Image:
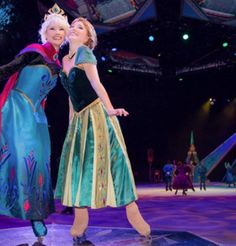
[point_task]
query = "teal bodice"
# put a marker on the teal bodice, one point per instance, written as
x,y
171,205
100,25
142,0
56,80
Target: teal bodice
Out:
x,y
77,84
35,82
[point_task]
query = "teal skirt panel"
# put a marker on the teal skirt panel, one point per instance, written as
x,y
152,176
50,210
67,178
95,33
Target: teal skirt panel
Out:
x,y
123,181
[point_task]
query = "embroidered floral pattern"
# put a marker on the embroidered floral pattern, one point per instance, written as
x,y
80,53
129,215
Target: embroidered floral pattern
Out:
x,y
36,193
40,180
102,165
8,186
47,86
26,205
9,190
30,164
4,154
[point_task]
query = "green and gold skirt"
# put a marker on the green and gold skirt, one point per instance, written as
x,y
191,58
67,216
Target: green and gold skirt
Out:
x,y
95,170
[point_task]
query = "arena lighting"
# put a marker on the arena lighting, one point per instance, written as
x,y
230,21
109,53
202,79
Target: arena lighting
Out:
x,y
114,49
225,44
211,65
185,36
7,15
103,58
212,101
139,69
151,38
109,70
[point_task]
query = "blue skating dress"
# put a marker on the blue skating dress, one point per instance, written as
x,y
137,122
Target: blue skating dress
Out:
x,y
25,182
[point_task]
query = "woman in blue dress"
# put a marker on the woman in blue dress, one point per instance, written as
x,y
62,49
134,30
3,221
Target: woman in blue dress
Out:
x,y
25,182
94,170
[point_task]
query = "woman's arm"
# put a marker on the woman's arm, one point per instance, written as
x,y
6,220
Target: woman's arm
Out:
x,y
17,64
92,75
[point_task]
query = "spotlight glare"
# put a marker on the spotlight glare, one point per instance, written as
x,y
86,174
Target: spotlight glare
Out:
x,y
151,38
103,58
114,49
109,71
185,36
212,101
225,44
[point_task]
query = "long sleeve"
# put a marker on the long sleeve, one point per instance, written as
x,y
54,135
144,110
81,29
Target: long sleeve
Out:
x,y
17,64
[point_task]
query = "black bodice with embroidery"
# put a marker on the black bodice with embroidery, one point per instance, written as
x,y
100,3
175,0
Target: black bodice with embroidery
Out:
x,y
79,88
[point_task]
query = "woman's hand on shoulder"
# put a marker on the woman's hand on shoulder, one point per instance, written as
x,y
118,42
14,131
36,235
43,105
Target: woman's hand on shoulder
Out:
x,y
117,112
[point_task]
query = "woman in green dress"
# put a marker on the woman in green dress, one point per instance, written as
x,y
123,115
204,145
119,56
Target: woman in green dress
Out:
x,y
95,170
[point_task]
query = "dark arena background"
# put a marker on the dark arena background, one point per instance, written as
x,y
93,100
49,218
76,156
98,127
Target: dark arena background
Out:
x,y
172,65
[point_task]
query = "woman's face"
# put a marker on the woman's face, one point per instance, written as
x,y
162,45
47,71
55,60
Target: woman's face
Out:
x,y
78,33
55,34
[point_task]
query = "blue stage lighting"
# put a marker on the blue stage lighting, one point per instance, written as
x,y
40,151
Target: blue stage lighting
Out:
x,y
6,15
151,38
